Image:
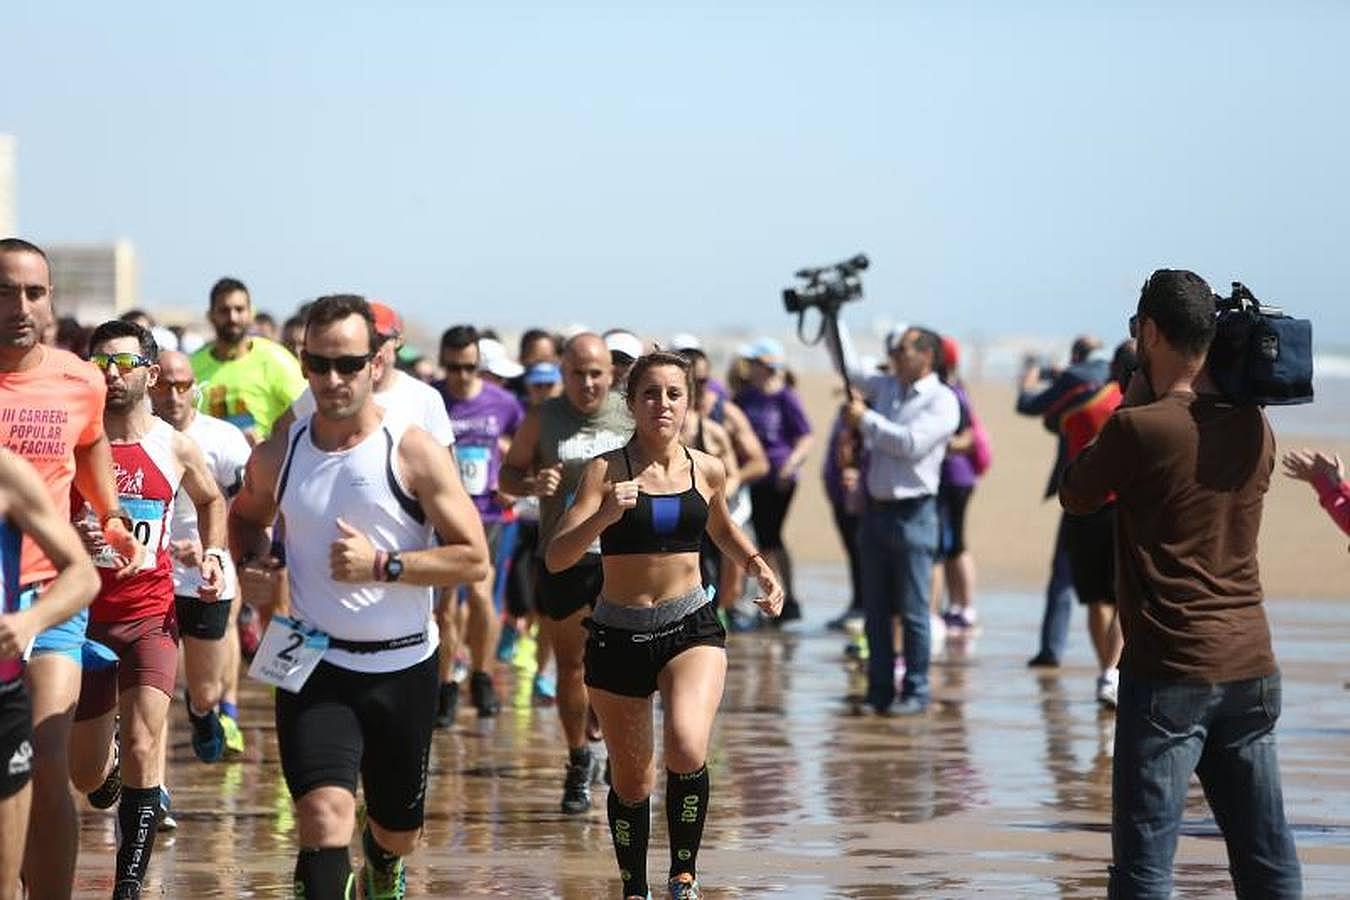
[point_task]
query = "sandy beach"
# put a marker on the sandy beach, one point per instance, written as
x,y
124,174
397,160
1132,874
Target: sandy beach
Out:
x,y
1010,528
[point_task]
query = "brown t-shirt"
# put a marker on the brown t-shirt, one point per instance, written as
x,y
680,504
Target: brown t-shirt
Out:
x,y
1190,474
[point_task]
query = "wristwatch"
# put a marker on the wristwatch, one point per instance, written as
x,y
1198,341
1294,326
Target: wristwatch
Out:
x,y
220,553
393,566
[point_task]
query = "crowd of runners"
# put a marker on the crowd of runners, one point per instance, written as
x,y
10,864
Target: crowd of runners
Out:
x,y
370,531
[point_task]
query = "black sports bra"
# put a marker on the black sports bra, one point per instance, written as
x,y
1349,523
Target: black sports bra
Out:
x,y
660,523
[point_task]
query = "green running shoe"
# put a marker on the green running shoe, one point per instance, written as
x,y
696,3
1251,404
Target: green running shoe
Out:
x,y
234,736
391,884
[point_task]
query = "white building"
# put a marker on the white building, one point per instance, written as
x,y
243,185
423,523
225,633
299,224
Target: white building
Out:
x,y
9,216
93,281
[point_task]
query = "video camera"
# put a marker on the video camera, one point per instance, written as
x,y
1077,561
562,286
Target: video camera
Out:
x,y
827,287
1259,354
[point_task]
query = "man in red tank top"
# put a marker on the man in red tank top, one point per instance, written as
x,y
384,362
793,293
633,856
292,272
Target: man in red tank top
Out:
x,y
134,616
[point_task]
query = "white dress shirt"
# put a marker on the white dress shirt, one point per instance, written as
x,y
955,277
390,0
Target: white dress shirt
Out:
x,y
905,434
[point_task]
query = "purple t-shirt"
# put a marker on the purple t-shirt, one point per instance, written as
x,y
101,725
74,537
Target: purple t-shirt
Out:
x,y
778,420
957,468
478,423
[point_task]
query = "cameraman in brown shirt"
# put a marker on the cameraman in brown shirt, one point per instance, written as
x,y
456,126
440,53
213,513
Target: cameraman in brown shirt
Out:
x,y
1199,689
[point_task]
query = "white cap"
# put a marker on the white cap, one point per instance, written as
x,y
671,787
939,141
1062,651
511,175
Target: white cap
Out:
x,y
504,367
685,341
164,338
625,343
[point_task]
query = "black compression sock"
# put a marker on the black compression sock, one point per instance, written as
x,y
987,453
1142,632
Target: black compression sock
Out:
x,y
579,756
324,873
686,809
630,825
376,855
138,817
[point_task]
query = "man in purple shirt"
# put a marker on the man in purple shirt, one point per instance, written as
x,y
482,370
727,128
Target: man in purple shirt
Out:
x,y
779,420
483,416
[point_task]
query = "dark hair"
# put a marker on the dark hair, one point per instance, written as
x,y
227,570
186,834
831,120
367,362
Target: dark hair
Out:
x,y
538,334
71,335
927,340
264,318
1181,304
693,354
224,287
296,321
119,328
1124,362
656,358
135,315
457,337
336,307
19,245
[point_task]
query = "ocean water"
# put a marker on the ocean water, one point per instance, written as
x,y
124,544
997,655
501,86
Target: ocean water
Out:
x,y
1328,416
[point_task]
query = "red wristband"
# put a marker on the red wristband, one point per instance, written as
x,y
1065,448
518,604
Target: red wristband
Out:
x,y
377,568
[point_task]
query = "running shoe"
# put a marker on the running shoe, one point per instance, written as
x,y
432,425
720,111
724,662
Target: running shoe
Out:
x,y
447,704
1108,688
527,653
847,620
166,820
484,695
545,689
1043,660
389,884
576,798
208,735
110,791
234,736
506,644
684,887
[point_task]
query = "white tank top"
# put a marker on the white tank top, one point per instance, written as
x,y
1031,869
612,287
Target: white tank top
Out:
x,y
362,486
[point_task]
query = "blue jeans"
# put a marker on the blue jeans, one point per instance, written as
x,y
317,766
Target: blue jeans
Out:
x,y
1225,733
1059,599
897,542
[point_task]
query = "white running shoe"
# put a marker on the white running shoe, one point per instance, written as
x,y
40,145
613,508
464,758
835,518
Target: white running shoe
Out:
x,y
1108,688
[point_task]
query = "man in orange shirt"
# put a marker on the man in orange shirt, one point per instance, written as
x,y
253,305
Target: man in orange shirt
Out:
x,y
51,414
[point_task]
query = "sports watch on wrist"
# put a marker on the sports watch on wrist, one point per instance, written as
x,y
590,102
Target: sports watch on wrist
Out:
x,y
393,566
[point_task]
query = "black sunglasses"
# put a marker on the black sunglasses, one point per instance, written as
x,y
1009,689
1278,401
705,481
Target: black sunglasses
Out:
x,y
345,365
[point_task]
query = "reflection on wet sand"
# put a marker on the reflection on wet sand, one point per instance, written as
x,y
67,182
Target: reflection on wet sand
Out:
x,y
1003,789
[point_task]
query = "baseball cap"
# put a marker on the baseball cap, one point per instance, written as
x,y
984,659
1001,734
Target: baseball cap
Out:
x,y
504,367
768,351
624,343
543,373
685,341
387,322
951,352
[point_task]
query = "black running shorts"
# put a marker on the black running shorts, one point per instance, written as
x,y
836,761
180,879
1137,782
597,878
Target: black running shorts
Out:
x,y
1091,544
202,619
16,738
627,662
377,725
559,595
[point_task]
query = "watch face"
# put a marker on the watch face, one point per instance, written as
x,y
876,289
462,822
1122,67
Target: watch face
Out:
x,y
393,568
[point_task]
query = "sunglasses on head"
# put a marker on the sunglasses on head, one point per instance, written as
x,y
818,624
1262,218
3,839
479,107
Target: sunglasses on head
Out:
x,y
164,385
345,365
124,361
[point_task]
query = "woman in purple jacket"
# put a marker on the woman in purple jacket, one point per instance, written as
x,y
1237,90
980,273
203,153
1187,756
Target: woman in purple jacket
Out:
x,y
779,420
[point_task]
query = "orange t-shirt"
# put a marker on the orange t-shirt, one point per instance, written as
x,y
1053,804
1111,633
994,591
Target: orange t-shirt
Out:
x,y
45,413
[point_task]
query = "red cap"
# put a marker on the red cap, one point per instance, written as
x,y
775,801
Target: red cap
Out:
x,y
951,352
387,322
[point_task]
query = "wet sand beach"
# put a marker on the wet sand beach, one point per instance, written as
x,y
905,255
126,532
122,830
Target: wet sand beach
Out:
x,y
1001,790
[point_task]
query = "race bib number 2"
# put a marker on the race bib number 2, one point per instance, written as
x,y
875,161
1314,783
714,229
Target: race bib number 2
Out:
x,y
288,654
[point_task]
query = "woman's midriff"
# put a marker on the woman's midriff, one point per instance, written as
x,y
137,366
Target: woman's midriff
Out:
x,y
646,579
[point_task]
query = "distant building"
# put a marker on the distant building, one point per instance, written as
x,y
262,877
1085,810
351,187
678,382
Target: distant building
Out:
x,y
9,215
93,282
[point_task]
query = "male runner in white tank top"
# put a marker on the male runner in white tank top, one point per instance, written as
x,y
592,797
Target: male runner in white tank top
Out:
x,y
365,495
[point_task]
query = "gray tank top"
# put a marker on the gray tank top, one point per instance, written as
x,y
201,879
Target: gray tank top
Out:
x,y
567,436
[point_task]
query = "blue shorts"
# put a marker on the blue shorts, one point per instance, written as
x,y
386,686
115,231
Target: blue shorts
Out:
x,y
68,638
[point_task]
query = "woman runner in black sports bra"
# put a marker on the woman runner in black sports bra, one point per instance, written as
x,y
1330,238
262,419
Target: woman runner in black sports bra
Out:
x,y
654,628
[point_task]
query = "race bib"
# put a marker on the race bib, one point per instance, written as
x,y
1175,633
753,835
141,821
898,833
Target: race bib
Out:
x,y
288,654
147,526
474,463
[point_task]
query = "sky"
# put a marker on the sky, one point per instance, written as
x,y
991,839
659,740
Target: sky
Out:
x,y
1009,168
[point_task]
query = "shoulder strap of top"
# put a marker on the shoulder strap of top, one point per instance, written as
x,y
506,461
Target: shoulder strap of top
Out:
x,y
290,457
627,463
693,481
